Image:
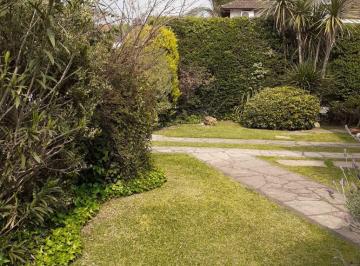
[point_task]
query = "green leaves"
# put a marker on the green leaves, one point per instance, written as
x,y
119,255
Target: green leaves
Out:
x,y
51,36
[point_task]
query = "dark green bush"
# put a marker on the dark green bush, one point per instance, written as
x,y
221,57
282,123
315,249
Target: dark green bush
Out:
x,y
284,108
238,54
345,66
346,112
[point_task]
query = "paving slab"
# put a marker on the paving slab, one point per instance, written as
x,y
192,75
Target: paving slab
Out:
x,y
311,163
316,202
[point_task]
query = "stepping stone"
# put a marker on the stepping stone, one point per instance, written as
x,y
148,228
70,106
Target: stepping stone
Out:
x,y
346,164
282,137
316,163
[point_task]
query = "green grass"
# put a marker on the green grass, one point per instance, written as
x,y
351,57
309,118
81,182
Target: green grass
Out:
x,y
253,146
201,217
325,175
231,130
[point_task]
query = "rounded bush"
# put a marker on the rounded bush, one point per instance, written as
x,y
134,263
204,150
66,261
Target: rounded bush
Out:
x,y
284,108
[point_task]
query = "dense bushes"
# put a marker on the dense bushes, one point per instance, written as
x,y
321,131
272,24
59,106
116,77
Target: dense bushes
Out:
x,y
48,92
236,56
74,111
345,66
284,108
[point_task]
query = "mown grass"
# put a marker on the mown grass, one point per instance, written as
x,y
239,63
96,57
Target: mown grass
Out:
x,y
254,146
329,175
231,130
201,217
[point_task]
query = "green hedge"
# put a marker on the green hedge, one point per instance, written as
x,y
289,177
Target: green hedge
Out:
x,y
345,65
241,54
284,108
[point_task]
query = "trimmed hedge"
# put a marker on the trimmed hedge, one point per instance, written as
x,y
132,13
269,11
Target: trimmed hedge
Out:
x,y
284,108
242,55
345,66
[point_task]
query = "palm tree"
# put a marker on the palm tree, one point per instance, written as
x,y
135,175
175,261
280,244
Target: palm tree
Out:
x,y
331,26
300,23
281,12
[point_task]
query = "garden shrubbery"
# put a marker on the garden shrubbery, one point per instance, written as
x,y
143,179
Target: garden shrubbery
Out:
x,y
75,111
222,59
284,108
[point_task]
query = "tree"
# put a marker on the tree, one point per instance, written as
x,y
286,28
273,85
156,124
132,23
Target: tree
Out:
x,y
300,22
331,26
213,11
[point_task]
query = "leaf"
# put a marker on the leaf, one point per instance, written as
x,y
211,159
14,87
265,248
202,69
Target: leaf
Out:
x,y
50,56
51,37
36,157
7,57
23,161
17,101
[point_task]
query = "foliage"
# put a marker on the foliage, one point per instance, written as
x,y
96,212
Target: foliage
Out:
x,y
236,54
304,76
48,92
142,84
345,65
347,112
284,108
64,244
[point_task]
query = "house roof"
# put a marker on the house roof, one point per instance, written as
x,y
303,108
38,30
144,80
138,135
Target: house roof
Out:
x,y
244,4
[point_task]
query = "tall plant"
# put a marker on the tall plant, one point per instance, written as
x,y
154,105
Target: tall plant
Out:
x,y
331,27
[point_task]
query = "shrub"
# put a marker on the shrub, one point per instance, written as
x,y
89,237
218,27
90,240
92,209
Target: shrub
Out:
x,y
142,83
48,92
347,112
284,108
345,66
304,76
236,55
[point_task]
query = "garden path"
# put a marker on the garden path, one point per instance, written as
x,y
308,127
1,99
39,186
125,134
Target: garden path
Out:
x,y
314,201
287,143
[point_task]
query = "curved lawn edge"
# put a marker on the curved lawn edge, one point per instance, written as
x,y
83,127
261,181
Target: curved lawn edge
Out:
x,y
63,245
203,217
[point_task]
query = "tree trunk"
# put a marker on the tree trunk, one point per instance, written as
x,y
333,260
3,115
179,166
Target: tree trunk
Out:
x,y
316,60
300,48
329,47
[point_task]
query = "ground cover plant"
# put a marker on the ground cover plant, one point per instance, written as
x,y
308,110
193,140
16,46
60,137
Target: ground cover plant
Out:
x,y
212,219
231,130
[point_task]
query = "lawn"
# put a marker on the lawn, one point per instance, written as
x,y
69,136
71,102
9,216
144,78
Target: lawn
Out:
x,y
201,217
231,130
329,175
255,146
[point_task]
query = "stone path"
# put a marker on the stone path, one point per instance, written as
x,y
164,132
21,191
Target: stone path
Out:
x,y
287,143
313,201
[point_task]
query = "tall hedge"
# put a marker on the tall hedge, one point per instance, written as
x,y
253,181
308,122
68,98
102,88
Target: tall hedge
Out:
x,y
345,65
241,54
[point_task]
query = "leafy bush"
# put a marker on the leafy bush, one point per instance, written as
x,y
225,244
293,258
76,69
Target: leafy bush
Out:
x,y
284,108
347,112
345,66
142,83
236,55
304,76
63,244
48,92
